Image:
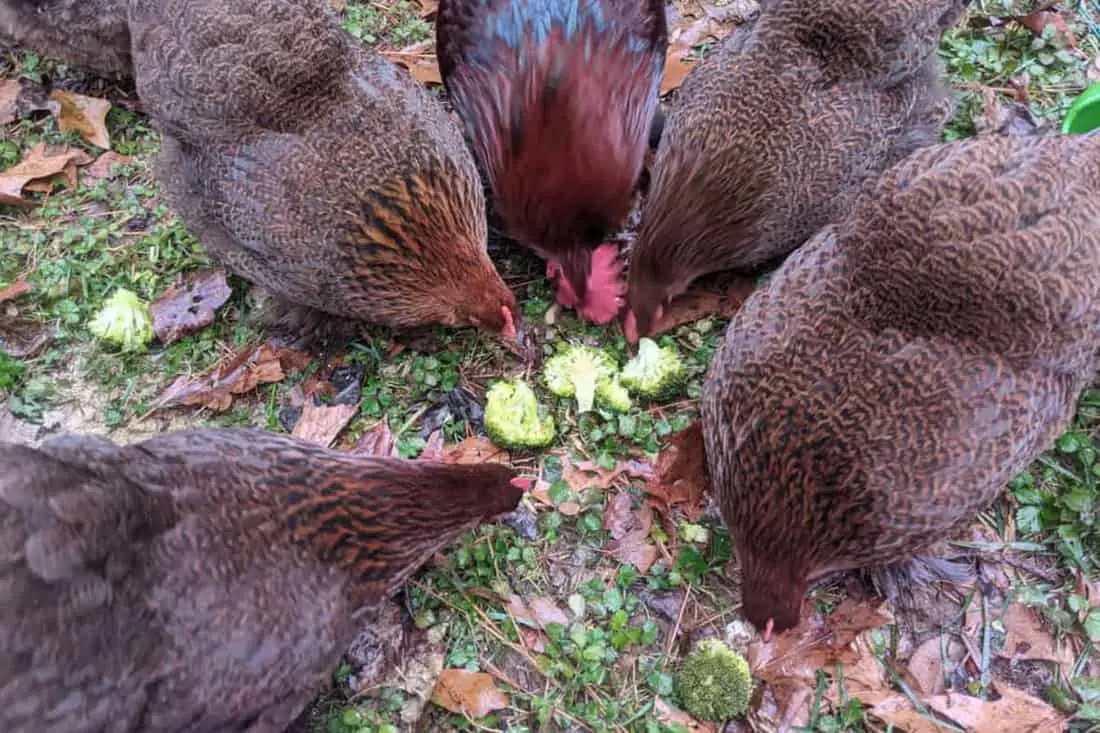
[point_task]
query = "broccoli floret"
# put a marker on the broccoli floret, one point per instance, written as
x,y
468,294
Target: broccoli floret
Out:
x,y
714,682
575,371
124,320
513,418
610,393
656,373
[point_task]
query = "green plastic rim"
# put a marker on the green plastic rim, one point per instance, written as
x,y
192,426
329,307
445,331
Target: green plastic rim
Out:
x,y
1084,115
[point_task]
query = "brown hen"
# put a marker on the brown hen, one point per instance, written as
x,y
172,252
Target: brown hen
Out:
x,y
773,134
313,167
92,34
900,368
206,580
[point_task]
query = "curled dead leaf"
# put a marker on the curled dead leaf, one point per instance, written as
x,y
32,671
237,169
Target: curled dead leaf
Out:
x,y
13,291
378,441
39,165
475,449
669,715
87,116
680,478
698,303
321,424
538,612
189,305
104,165
422,66
241,372
473,694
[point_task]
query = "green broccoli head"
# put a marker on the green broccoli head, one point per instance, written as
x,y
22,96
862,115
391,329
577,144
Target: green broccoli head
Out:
x,y
714,682
513,418
125,321
610,393
656,373
576,371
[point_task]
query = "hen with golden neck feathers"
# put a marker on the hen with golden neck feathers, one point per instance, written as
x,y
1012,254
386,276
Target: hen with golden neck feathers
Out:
x,y
901,367
310,165
774,133
207,580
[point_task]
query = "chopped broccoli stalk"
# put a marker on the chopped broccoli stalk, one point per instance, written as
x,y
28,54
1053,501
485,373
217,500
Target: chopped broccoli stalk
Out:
x,y
714,682
610,393
656,373
576,372
513,418
124,320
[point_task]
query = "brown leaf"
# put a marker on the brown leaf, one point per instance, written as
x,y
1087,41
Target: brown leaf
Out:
x,y
87,116
433,447
321,424
634,549
584,475
669,715
538,612
790,661
1038,21
20,97
926,665
864,678
1014,712
473,694
699,303
1025,638
676,70
378,441
39,164
618,519
241,372
422,66
102,167
475,449
13,291
569,508
535,639
23,337
428,8
189,305
680,477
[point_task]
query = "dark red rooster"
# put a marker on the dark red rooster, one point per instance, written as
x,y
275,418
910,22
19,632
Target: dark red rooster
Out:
x,y
558,97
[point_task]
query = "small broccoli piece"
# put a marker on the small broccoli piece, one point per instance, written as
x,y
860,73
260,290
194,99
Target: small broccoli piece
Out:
x,y
576,371
513,418
125,321
610,393
714,682
656,373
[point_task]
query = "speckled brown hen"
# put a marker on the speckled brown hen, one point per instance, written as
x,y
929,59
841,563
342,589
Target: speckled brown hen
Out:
x,y
92,34
310,165
558,98
901,367
206,580
773,134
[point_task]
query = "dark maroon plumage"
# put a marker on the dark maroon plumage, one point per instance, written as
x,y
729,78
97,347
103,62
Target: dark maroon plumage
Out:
x,y
557,97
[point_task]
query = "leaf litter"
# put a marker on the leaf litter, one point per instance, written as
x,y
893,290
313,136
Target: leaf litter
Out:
x,y
189,305
39,166
473,694
239,373
86,116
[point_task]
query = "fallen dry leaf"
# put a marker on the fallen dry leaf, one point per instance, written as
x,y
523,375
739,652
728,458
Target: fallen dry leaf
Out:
x,y
700,303
433,447
676,70
428,8
39,164
241,372
584,475
630,543
321,424
1038,21
13,291
1026,638
473,694
680,478
422,66
926,664
669,715
19,97
378,441
618,517
475,449
635,548
87,116
189,305
538,612
23,337
789,663
102,167
1015,712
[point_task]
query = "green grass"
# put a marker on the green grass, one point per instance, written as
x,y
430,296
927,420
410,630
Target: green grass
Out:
x,y
603,669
